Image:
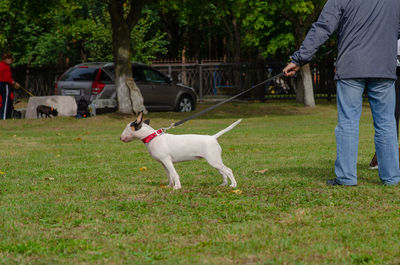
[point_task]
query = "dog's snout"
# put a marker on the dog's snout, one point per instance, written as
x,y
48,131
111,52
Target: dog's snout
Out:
x,y
124,139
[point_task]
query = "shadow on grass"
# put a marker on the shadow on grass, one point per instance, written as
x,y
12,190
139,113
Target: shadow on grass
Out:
x,y
320,175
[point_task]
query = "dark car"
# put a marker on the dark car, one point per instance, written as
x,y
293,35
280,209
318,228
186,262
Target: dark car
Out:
x,y
95,81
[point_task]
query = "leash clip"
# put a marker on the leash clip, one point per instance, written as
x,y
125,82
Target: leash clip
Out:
x,y
170,127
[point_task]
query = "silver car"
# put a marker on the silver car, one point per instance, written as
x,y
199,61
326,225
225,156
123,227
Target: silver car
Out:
x,y
95,81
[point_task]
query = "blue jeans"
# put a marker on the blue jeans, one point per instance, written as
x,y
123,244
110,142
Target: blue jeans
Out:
x,y
381,96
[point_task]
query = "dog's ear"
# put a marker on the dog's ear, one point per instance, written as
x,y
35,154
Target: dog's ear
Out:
x,y
139,118
136,125
147,122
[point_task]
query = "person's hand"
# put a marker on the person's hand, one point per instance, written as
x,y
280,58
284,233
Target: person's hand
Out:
x,y
17,85
291,69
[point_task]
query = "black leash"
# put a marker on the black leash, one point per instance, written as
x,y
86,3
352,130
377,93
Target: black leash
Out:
x,y
173,125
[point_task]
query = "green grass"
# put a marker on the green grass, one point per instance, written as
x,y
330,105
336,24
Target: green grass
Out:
x,y
72,193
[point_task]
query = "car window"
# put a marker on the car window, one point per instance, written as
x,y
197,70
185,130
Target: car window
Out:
x,y
153,76
80,74
137,74
104,77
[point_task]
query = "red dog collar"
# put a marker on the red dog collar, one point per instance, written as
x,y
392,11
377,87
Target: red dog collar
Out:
x,y
152,136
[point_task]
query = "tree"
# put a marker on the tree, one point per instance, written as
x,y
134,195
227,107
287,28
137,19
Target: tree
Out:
x,y
124,16
41,32
278,35
301,15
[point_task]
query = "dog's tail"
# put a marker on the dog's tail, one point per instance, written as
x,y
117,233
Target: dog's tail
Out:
x,y
227,129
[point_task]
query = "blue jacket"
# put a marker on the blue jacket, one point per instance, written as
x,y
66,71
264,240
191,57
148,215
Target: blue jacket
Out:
x,y
367,32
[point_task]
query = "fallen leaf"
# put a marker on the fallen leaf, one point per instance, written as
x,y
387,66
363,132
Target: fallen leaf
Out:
x,y
262,171
143,168
48,178
58,134
237,191
231,149
163,186
2,173
78,139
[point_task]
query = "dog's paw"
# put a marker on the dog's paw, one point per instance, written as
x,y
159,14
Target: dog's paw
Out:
x,y
177,187
223,184
233,185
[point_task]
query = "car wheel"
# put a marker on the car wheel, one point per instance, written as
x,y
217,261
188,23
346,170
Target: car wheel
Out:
x,y
185,104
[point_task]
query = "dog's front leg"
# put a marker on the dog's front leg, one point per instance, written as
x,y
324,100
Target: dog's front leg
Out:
x,y
171,172
170,180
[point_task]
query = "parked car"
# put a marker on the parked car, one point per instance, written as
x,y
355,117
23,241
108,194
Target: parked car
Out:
x,y
95,81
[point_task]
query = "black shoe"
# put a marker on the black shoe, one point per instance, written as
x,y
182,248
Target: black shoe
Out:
x,y
333,182
374,163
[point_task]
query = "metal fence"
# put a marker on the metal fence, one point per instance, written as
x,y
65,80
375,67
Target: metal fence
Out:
x,y
40,81
210,80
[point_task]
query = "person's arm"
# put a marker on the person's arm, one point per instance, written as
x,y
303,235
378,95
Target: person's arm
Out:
x,y
8,77
16,84
398,34
320,31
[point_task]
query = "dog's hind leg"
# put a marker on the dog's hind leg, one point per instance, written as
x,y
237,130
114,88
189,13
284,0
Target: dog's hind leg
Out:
x,y
226,172
215,161
173,175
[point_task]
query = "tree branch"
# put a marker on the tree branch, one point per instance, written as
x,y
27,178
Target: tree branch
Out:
x,y
135,11
115,8
290,16
314,15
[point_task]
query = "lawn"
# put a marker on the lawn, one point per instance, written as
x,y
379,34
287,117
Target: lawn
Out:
x,y
72,193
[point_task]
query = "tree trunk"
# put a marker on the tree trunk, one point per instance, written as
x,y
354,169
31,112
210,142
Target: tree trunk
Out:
x,y
304,87
304,90
308,86
121,40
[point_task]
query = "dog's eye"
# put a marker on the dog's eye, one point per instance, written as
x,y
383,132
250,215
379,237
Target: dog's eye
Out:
x,y
136,126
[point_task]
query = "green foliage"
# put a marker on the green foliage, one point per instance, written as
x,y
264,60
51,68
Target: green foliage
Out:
x,y
267,30
68,32
60,31
47,50
145,47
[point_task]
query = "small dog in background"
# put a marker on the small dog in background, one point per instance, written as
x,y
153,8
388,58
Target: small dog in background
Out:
x,y
168,148
46,110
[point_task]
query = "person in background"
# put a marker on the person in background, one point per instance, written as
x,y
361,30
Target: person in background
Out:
x,y
374,162
6,84
367,32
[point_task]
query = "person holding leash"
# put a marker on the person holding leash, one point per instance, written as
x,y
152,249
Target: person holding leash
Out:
x,y
374,162
6,84
367,32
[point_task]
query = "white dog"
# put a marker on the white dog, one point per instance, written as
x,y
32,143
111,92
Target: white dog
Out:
x,y
169,148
